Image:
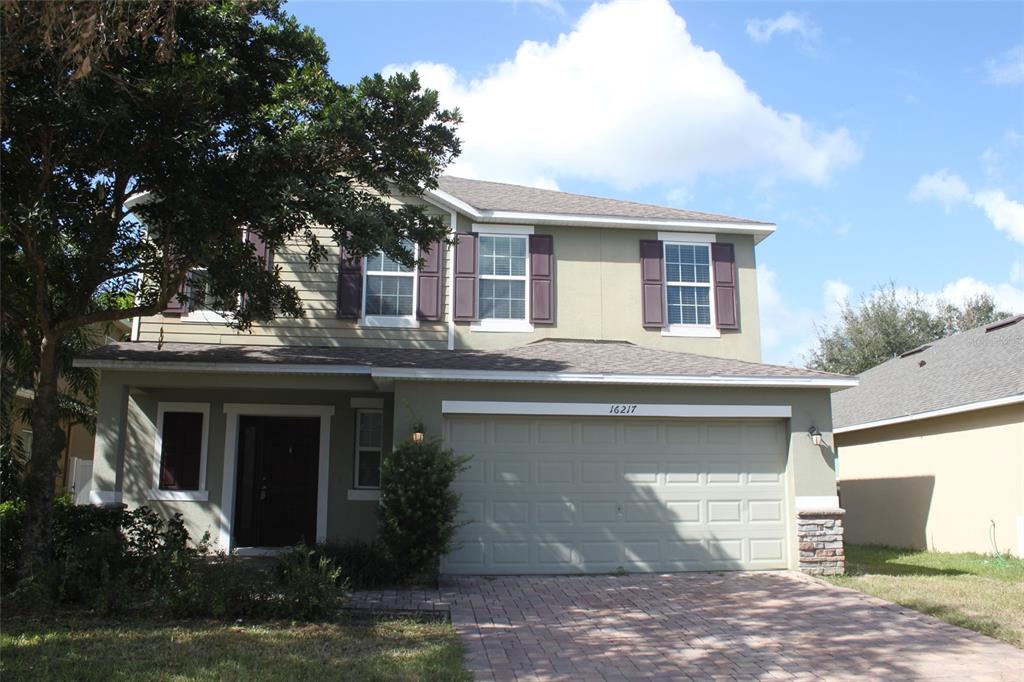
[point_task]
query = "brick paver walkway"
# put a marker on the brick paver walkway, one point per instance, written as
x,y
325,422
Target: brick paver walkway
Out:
x,y
747,626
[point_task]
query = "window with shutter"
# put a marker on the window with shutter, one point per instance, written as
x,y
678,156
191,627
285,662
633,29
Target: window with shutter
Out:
x,y
389,291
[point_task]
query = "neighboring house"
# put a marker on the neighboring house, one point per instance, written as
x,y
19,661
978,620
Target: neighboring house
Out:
x,y
931,445
599,359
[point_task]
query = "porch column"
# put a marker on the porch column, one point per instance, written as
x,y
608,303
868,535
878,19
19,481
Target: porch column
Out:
x,y
107,481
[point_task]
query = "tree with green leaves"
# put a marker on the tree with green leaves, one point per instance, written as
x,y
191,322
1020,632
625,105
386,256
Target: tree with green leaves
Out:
x,y
140,140
887,323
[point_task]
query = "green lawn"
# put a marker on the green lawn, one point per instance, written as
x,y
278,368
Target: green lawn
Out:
x,y
974,591
70,647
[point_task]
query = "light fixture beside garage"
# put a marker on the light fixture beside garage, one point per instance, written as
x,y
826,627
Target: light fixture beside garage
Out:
x,y
815,435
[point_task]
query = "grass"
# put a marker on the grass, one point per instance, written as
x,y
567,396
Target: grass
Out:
x,y
975,591
66,646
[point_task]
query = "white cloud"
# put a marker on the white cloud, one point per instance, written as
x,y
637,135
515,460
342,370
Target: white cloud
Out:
x,y
681,197
1005,214
1008,68
943,186
1006,295
762,30
627,98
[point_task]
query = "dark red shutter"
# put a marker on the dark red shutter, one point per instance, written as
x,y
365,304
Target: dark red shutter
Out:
x,y
262,252
542,294
652,282
181,447
175,305
350,286
428,306
465,277
723,259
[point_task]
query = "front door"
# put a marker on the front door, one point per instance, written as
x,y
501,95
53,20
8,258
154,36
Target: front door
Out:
x,y
277,481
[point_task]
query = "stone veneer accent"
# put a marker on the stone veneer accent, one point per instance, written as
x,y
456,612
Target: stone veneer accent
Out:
x,y
820,534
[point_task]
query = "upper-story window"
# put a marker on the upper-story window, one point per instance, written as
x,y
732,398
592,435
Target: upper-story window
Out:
x,y
504,264
688,285
389,291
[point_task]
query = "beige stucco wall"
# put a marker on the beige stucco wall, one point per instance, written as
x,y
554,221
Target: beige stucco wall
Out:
x,y
125,452
597,296
937,483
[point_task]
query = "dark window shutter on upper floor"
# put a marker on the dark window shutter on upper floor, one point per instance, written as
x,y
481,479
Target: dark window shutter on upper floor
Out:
x,y
175,306
723,258
542,265
262,252
350,286
465,293
428,306
652,282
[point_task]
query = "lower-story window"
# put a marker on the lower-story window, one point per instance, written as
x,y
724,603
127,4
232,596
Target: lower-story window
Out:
x,y
369,447
181,446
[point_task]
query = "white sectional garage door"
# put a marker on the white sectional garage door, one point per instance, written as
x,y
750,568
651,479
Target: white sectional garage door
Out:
x,y
584,494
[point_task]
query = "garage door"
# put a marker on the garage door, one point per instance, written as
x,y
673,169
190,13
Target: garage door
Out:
x,y
579,494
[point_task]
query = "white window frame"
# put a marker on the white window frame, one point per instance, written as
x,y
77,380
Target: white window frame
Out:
x,y
201,494
360,448
401,321
709,330
205,315
500,325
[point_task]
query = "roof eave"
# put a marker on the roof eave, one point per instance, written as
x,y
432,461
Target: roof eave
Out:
x,y
759,231
931,414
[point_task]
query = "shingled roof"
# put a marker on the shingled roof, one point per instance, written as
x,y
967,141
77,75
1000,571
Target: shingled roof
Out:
x,y
499,196
594,358
976,366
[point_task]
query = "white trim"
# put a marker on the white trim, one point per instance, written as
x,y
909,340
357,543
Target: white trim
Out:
x,y
492,324
105,497
467,374
266,410
393,321
449,296
377,403
816,502
688,237
617,409
446,200
957,409
360,448
203,316
200,494
503,230
178,495
233,411
364,494
692,330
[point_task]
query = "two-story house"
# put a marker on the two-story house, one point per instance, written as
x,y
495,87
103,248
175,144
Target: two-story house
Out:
x,y
599,359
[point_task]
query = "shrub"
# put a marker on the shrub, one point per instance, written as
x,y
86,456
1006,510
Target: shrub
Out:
x,y
418,507
311,586
12,514
364,564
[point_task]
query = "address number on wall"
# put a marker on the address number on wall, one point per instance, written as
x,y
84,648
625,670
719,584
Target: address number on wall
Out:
x,y
621,409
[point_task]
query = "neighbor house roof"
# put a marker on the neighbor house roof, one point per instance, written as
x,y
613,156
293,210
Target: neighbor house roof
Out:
x,y
983,367
545,361
498,201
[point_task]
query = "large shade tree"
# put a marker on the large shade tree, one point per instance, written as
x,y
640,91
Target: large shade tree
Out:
x,y
202,119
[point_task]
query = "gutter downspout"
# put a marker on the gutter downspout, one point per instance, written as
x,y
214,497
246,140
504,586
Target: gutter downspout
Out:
x,y
451,283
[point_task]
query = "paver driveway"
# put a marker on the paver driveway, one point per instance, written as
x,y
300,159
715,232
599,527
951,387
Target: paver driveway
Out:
x,y
765,625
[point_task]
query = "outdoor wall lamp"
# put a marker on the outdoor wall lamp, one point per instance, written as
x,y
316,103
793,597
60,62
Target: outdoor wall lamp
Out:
x,y
815,435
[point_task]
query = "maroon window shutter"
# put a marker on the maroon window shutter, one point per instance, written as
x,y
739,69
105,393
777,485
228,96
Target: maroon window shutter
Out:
x,y
350,286
262,252
181,447
652,282
723,258
175,305
465,277
542,295
428,306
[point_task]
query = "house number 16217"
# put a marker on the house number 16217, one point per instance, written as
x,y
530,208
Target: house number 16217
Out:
x,y
621,409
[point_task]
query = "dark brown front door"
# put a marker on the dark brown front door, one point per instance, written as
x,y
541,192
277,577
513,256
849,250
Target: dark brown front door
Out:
x,y
277,481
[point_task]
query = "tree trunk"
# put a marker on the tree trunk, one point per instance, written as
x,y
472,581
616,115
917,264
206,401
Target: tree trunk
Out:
x,y
41,477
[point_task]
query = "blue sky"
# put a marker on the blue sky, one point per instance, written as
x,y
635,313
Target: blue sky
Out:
x,y
886,140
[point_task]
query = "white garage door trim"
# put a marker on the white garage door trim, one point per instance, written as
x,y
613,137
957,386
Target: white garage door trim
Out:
x,y
615,409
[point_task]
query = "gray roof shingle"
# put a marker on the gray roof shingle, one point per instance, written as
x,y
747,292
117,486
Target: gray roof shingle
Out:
x,y
499,196
970,367
550,355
